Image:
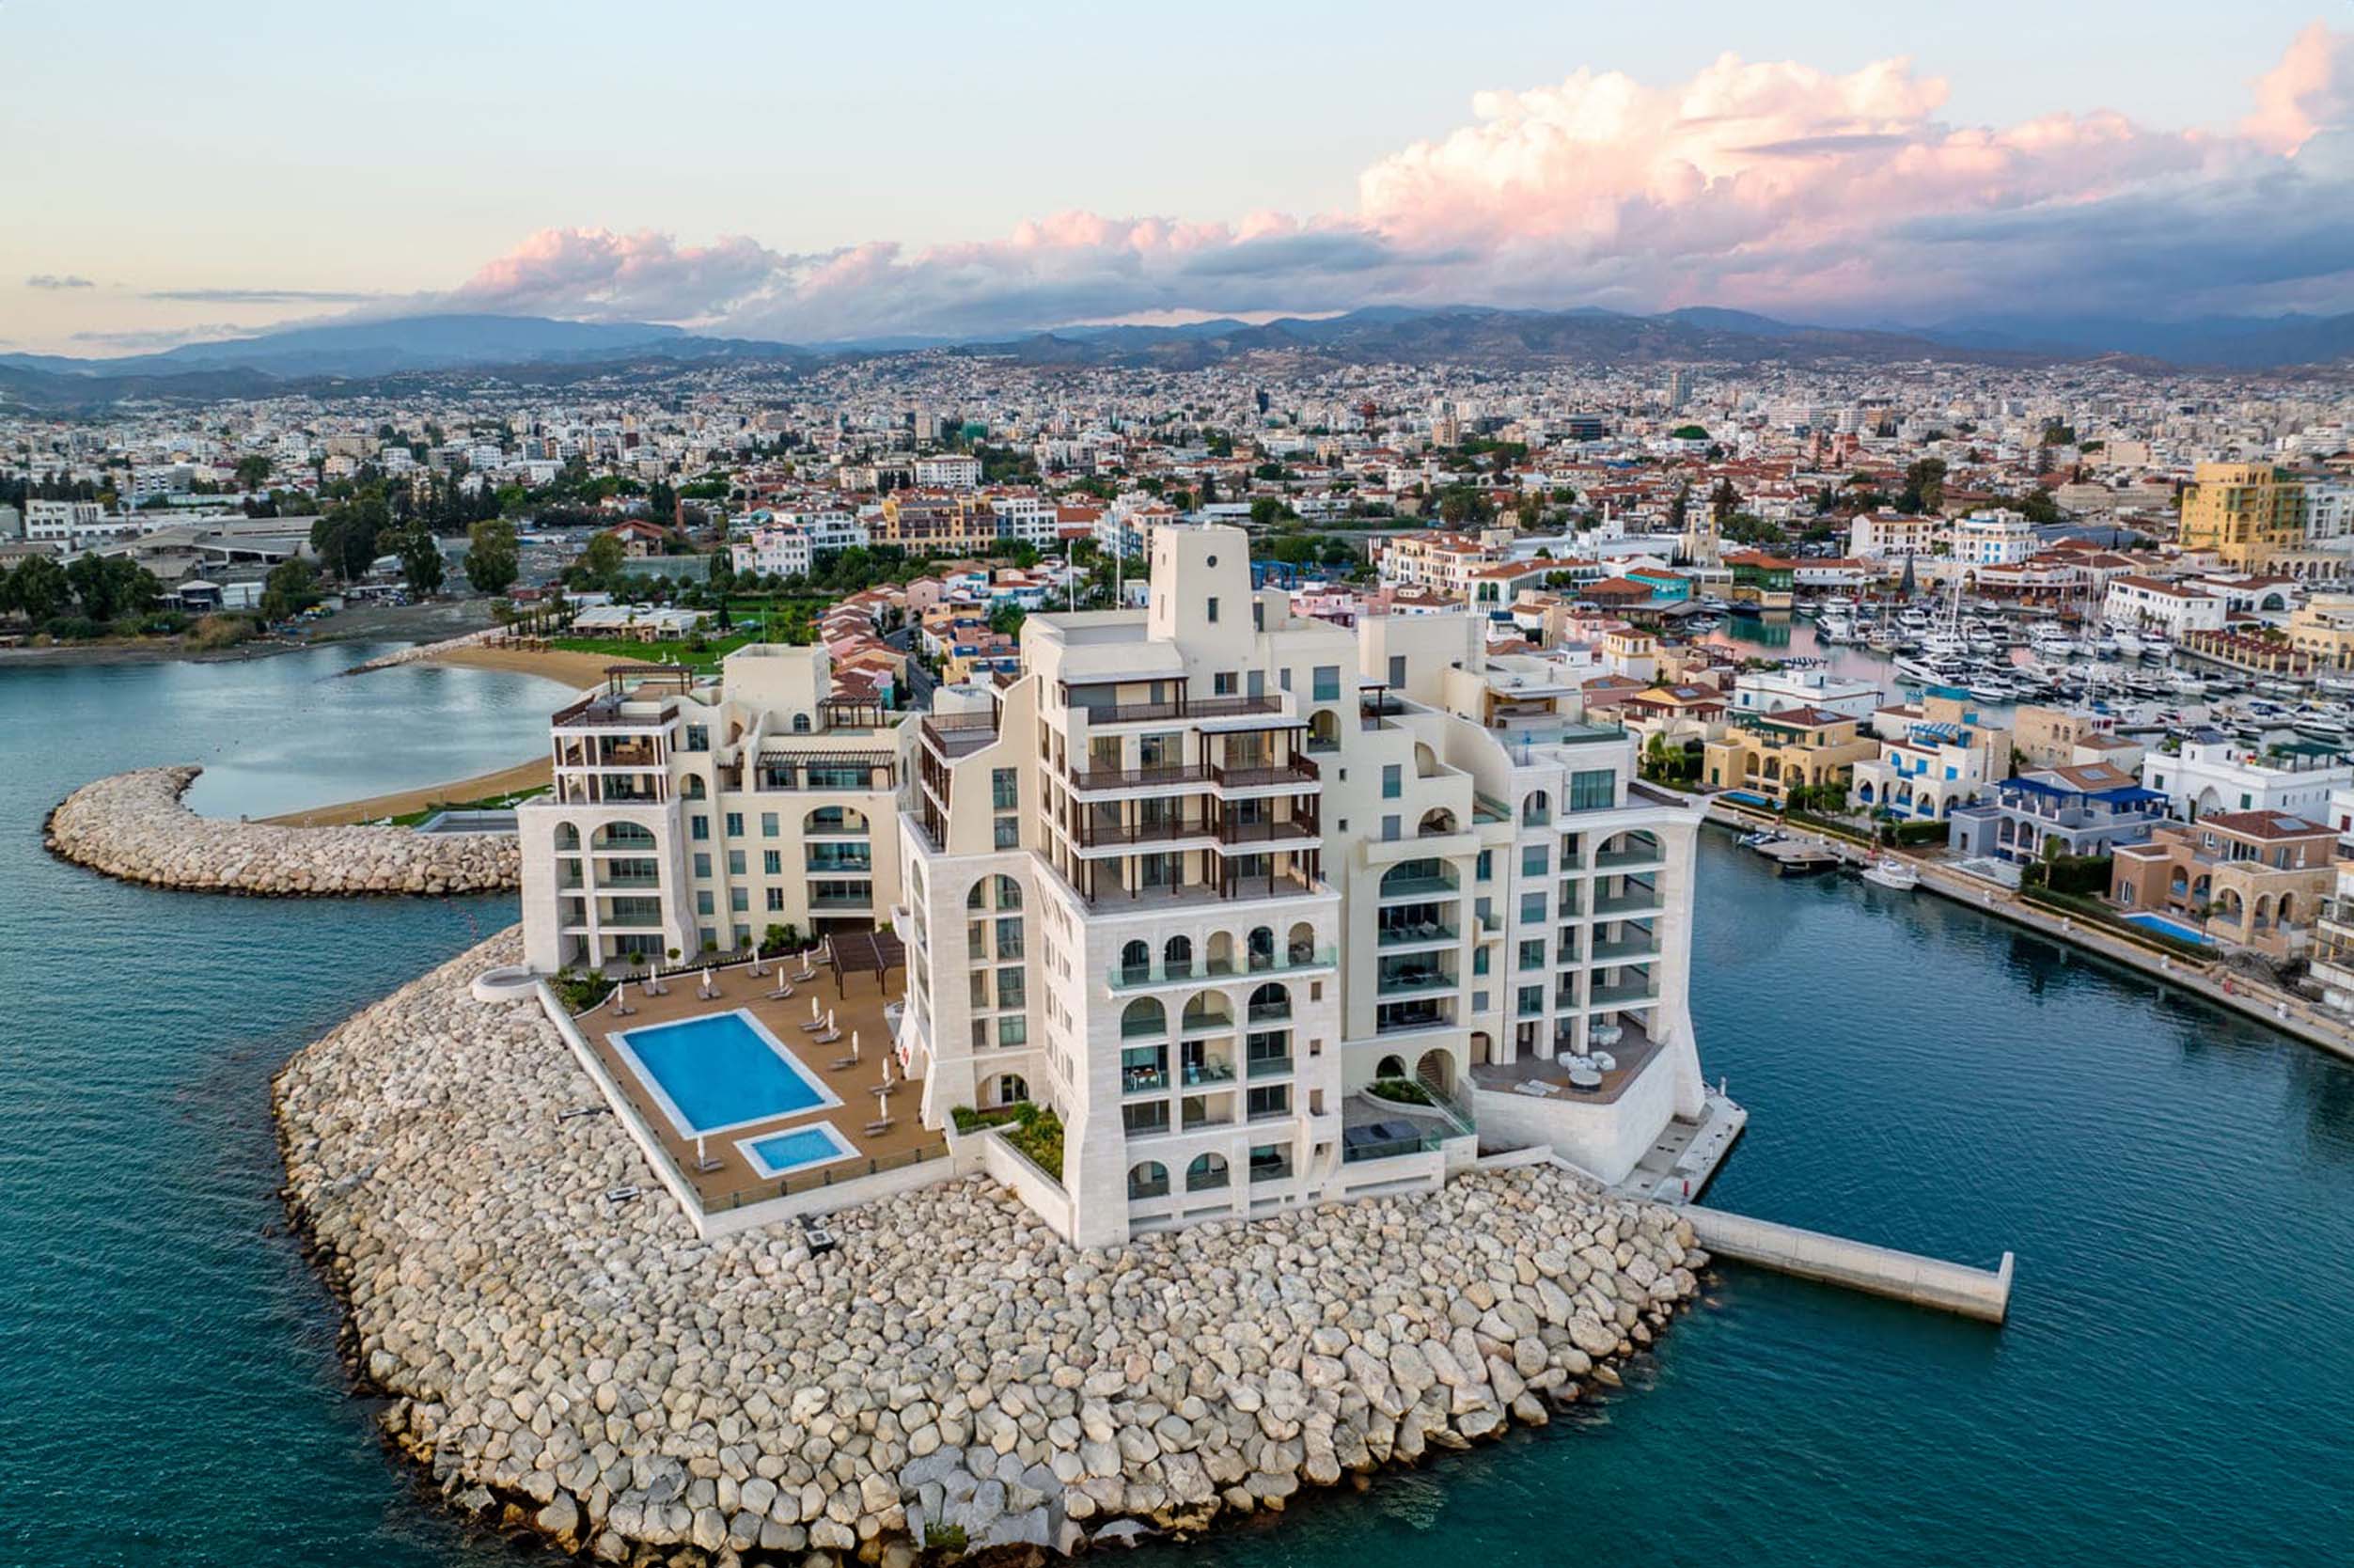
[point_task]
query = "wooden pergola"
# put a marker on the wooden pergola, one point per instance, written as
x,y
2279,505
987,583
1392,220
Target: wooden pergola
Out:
x,y
852,952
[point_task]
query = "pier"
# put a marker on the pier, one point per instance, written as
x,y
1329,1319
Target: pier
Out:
x,y
1973,1293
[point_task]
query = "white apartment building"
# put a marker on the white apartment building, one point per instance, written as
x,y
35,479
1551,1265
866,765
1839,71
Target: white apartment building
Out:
x,y
2173,608
1207,878
2214,774
62,521
1027,516
1887,535
948,471
1995,537
691,814
780,552
1775,691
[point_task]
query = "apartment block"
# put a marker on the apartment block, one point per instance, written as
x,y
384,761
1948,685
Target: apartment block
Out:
x,y
689,813
1272,911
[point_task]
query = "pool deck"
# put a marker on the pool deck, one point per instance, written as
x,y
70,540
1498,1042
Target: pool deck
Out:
x,y
730,1180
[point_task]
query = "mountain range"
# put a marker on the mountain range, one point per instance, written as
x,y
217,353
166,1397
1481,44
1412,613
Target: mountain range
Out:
x,y
322,356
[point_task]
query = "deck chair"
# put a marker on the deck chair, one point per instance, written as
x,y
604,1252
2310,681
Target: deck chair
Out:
x,y
825,1036
876,1129
808,971
784,987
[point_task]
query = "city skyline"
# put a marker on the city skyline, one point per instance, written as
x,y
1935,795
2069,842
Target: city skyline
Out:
x,y
1823,170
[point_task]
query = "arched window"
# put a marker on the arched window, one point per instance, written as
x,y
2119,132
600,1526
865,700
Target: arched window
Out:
x,y
1143,1016
1221,958
1000,892
1536,810
1324,731
566,837
1206,1173
625,836
1436,1070
1206,1010
694,790
1177,957
1135,962
1437,821
1301,949
1262,945
1149,1180
800,724
1390,1067
1271,1003
1011,1090
835,820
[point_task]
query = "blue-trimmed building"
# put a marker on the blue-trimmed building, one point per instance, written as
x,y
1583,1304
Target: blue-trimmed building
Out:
x,y
2077,810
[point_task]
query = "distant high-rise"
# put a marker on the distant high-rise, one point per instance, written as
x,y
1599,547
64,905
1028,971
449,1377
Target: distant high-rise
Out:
x,y
1679,387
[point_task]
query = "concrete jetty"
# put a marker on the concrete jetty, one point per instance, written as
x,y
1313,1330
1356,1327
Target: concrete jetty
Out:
x,y
1973,1293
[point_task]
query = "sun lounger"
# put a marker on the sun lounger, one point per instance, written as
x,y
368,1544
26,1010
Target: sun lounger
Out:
x,y
875,1129
784,989
812,1025
825,1036
843,1064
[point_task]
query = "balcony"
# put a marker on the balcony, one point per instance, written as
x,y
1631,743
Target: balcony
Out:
x,y
1270,1067
1636,899
1627,859
1269,1013
1395,889
1422,932
1416,981
1275,831
1094,833
1135,977
954,735
1197,1075
1623,993
1181,707
1258,776
1646,946
1271,1166
1198,1115
1090,778
1143,1080
1422,1141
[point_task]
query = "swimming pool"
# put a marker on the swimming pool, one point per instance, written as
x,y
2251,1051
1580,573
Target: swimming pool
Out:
x,y
719,1072
781,1154
2165,927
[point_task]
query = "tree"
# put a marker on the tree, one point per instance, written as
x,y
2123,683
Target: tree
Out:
x,y
1007,619
346,536
1924,486
493,559
38,588
290,588
420,557
721,574
251,471
601,562
1723,501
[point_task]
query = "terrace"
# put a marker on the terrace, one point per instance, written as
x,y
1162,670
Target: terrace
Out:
x,y
1549,1077
722,1178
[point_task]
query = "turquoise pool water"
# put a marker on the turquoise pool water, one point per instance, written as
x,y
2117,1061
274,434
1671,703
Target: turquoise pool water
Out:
x,y
2171,928
797,1150
715,1073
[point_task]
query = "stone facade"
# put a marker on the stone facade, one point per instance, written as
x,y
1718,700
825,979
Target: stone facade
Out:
x,y
563,1354
133,825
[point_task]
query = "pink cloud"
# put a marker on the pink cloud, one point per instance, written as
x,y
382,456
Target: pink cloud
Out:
x,y
1772,184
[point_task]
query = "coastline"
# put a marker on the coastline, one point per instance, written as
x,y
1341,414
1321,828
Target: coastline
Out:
x,y
573,671
2291,1014
562,1355
422,623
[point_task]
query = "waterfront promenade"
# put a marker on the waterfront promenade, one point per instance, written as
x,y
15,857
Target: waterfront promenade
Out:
x,y
2212,981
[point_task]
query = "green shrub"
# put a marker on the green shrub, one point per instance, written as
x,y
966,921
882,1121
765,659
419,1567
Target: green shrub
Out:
x,y
1406,1091
939,1535
971,1121
580,992
1038,1134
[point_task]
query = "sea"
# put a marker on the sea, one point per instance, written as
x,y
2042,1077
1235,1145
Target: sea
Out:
x,y
2176,1183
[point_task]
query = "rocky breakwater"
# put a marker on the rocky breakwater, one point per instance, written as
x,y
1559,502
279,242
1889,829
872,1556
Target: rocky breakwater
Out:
x,y
565,1357
134,826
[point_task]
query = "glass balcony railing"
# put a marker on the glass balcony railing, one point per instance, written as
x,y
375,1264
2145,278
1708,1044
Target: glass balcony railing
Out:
x,y
1128,976
1388,1147
1142,1080
1270,1067
1200,1073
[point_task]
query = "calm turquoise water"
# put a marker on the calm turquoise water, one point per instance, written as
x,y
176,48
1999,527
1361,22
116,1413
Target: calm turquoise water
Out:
x,y
2179,1187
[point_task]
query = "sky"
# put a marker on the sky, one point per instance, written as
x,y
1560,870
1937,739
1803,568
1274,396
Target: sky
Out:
x,y
816,172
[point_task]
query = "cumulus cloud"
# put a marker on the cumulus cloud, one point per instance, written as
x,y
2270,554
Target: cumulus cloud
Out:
x,y
1774,185
56,280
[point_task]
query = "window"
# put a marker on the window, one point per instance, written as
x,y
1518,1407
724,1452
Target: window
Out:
x,y
740,900
1007,833
1397,669
775,901
1485,871
1479,960
1532,954
1212,603
698,828
1005,789
1391,826
1328,683
1393,780
702,863
703,905
1532,1000
1009,988
699,737
735,824
735,862
773,862
1593,789
1012,1029
768,825
1532,909
1011,1090
1222,684
1270,1099
1535,859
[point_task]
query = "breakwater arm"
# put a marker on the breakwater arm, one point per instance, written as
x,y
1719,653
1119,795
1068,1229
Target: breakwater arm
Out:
x,y
135,826
1974,1293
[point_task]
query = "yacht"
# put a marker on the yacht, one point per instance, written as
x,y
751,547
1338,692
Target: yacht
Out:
x,y
1898,876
